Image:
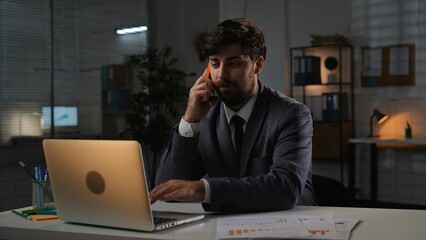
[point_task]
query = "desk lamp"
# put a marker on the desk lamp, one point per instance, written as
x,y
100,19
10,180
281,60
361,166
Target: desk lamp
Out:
x,y
381,117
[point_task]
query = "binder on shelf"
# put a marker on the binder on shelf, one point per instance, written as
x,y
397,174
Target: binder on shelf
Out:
x,y
115,76
105,77
307,70
116,93
119,99
334,106
105,100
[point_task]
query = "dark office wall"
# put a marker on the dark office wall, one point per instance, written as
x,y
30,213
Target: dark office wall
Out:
x,y
177,24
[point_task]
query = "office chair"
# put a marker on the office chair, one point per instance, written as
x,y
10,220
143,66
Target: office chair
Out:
x,y
330,192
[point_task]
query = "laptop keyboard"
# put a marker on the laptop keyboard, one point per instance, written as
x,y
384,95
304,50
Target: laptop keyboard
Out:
x,y
161,220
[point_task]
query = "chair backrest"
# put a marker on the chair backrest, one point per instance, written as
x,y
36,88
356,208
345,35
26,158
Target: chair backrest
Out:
x,y
330,192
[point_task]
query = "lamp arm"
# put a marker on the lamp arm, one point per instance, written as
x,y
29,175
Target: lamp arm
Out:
x,y
371,125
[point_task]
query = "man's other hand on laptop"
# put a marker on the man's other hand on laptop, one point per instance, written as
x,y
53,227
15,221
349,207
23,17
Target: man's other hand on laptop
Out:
x,y
178,190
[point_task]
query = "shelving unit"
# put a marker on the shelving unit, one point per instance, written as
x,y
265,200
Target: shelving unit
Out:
x,y
116,92
328,92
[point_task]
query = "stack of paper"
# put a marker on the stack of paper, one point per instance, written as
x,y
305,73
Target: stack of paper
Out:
x,y
38,214
286,226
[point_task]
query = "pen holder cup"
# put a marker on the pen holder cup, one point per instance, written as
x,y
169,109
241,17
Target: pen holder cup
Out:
x,y
42,193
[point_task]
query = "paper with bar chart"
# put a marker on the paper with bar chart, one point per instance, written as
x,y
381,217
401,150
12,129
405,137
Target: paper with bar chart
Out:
x,y
322,226
285,226
260,226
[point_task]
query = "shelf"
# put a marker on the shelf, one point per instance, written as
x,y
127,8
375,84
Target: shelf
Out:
x,y
330,122
327,71
116,112
117,85
322,47
322,84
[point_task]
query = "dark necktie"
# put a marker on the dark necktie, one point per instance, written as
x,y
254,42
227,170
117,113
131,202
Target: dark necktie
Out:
x,y
238,133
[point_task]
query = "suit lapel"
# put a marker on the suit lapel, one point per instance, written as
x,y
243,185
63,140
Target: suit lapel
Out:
x,y
254,125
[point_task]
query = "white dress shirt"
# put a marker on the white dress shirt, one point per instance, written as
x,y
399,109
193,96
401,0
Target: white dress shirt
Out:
x,y
187,129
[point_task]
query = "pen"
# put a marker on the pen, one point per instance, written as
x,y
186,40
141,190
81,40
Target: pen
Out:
x,y
37,173
42,217
39,200
27,170
35,210
34,178
46,174
20,214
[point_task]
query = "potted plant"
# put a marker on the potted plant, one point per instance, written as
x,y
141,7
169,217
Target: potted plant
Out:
x,y
153,106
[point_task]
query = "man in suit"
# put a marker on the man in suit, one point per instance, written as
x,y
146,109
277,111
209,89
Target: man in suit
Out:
x,y
264,166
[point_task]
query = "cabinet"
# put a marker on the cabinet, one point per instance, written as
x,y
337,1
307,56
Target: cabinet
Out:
x,y
117,86
322,78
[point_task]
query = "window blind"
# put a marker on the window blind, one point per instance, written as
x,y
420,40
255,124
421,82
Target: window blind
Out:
x,y
83,40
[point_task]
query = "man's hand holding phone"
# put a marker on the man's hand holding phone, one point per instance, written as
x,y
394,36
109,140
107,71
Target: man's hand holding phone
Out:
x,y
201,98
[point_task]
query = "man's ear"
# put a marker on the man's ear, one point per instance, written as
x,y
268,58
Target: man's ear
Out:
x,y
259,64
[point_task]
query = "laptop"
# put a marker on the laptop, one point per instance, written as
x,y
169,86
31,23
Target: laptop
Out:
x,y
103,182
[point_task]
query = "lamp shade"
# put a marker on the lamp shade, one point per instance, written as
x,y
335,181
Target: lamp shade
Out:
x,y
380,118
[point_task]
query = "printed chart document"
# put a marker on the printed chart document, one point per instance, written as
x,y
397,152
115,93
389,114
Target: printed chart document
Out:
x,y
261,226
328,227
320,227
344,227
286,226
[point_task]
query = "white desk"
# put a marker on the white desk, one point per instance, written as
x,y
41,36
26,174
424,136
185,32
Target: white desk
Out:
x,y
376,224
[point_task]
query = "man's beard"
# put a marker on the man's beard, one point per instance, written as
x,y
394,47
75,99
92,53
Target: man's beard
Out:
x,y
234,99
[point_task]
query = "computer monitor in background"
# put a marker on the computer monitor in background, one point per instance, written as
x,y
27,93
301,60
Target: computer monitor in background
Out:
x,y
64,116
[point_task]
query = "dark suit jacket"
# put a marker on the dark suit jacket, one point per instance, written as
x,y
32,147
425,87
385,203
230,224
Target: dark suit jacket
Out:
x,y
275,166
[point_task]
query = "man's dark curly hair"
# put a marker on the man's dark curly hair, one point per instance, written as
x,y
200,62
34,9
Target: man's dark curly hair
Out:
x,y
236,31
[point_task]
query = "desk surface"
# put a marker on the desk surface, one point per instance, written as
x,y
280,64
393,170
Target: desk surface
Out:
x,y
376,224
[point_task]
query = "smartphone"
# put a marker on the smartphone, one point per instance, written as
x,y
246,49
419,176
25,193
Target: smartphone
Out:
x,y
207,72
207,75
